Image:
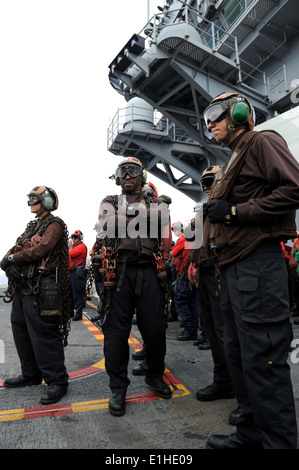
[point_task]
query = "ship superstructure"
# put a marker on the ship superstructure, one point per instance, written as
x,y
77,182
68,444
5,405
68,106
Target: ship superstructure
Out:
x,y
188,53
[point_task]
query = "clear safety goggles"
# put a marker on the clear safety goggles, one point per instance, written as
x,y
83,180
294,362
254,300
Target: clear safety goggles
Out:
x,y
216,112
34,199
132,170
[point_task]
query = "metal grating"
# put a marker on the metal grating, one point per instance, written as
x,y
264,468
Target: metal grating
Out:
x,y
194,53
252,19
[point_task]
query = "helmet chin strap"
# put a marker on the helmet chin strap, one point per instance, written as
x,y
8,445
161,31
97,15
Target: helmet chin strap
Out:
x,y
231,128
42,210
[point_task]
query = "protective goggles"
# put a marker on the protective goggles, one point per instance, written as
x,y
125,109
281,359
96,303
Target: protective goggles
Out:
x,y
34,199
132,170
207,181
216,112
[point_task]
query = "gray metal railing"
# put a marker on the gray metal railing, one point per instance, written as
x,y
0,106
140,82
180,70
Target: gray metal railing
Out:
x,y
126,119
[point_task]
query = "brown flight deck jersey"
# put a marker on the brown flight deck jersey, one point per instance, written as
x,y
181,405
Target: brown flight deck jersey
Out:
x,y
265,188
50,244
145,237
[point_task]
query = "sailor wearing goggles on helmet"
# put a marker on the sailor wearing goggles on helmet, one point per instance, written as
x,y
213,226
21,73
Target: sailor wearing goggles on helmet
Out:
x,y
129,169
250,211
130,247
37,271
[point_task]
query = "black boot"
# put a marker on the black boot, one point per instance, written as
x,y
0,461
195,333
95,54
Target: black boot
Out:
x,y
158,385
214,392
228,442
77,317
187,336
117,403
138,370
53,394
21,381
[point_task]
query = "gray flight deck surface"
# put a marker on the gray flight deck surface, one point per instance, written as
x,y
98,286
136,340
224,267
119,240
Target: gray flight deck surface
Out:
x,y
81,420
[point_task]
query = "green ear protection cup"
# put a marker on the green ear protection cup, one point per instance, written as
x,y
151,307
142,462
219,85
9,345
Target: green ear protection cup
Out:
x,y
48,202
240,112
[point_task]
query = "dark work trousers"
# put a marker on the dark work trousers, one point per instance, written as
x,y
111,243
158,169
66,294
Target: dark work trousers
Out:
x,y
77,291
173,313
294,289
187,304
140,289
255,309
38,342
213,321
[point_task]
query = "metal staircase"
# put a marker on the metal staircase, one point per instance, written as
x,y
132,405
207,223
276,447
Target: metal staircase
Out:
x,y
180,61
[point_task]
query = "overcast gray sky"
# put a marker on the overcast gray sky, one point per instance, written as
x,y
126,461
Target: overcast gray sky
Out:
x,y
56,103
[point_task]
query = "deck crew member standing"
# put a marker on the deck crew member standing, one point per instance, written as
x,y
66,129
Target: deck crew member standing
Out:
x,y
37,269
209,297
77,259
133,223
186,301
251,208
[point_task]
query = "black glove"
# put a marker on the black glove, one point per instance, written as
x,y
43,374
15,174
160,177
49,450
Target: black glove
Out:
x,y
13,272
4,263
223,212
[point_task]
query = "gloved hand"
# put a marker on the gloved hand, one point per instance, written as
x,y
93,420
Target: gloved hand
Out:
x,y
4,263
13,272
223,212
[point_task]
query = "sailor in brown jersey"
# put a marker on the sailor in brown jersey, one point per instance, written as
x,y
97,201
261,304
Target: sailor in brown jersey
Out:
x,y
133,283
251,209
37,270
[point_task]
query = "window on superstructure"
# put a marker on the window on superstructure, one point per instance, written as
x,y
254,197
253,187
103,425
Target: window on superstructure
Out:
x,y
219,30
226,18
192,14
232,10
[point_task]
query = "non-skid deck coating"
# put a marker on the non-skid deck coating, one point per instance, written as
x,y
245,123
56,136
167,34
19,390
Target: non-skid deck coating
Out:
x,y
57,410
81,420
